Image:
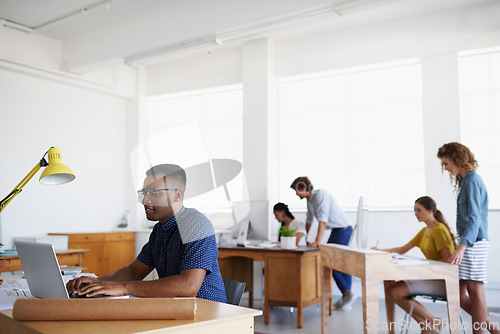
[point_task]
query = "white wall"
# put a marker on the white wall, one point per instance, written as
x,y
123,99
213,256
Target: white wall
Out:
x,y
90,128
412,37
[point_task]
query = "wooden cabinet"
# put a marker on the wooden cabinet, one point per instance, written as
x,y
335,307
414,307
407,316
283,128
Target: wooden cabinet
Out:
x,y
68,257
108,251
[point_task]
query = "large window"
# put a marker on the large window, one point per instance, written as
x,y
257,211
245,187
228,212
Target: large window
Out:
x,y
480,115
193,128
355,133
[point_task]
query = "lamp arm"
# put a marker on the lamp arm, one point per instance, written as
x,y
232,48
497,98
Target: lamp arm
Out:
x,y
21,184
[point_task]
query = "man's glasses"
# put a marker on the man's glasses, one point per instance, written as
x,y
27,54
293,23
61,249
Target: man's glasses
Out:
x,y
151,193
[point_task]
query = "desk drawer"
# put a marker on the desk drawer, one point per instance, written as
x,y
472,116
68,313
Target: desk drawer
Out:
x,y
79,238
120,236
70,259
12,265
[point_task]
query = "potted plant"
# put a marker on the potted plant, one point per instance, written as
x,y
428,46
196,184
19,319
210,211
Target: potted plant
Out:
x,y
288,237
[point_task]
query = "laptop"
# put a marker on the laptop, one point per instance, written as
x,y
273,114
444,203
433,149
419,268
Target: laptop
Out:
x,y
42,270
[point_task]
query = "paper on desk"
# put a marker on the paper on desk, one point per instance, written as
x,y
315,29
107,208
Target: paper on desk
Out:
x,y
261,246
71,270
400,259
10,290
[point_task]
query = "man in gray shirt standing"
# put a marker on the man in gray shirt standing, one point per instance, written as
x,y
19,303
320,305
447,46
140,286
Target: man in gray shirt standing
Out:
x,y
322,206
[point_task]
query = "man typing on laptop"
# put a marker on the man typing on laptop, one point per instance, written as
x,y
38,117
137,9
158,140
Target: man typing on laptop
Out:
x,y
182,248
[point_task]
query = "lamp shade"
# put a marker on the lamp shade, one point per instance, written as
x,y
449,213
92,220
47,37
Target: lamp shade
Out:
x,y
56,172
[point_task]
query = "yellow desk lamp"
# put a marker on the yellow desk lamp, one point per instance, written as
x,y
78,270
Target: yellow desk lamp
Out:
x,y
55,173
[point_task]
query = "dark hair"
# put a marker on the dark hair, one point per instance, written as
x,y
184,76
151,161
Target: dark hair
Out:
x,y
301,183
283,207
172,172
429,204
461,156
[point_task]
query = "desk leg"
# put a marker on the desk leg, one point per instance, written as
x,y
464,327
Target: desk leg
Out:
x,y
80,259
300,288
330,309
389,306
370,305
453,301
326,297
250,298
300,316
266,290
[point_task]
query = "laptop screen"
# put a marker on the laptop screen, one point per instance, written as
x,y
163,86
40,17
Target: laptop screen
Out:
x,y
41,269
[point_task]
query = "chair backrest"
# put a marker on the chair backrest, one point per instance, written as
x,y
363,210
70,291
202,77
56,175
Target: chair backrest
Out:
x,y
434,298
234,291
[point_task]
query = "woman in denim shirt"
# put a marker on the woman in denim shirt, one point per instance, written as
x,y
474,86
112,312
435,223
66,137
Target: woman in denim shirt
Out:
x,y
471,253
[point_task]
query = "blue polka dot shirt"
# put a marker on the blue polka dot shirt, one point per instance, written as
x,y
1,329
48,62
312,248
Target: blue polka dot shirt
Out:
x,y
186,241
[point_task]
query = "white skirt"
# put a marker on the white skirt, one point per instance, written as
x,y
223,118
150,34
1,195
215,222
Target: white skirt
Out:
x,y
474,266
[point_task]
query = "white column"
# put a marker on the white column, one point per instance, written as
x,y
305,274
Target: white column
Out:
x,y
441,121
260,132
138,133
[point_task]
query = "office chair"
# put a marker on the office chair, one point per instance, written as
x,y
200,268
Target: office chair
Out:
x,y
234,291
434,298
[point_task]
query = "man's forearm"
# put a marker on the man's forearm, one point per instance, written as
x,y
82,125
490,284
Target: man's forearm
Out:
x,y
136,271
187,284
124,274
173,286
321,232
308,227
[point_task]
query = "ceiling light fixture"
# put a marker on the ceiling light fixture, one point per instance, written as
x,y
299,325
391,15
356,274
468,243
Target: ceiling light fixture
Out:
x,y
206,43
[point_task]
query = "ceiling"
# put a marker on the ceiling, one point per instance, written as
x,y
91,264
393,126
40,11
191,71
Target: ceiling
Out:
x,y
64,19
93,30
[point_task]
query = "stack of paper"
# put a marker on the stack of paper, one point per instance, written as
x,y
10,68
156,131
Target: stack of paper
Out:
x,y
400,259
67,270
8,252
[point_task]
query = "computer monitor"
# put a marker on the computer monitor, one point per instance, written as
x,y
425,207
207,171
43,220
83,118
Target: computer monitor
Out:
x,y
358,237
242,233
257,213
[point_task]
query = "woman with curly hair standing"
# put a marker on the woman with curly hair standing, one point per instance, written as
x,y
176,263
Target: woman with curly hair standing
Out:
x,y
471,253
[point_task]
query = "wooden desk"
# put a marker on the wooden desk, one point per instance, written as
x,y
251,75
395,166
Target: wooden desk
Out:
x,y
292,276
374,267
69,257
211,317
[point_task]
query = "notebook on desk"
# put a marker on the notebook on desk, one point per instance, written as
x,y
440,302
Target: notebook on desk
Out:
x,y
42,270
401,259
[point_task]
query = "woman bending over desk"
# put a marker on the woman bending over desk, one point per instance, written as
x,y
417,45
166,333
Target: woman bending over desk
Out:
x,y
437,243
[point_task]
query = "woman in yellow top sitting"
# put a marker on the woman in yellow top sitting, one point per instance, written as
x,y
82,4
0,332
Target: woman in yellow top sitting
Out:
x,y
437,243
